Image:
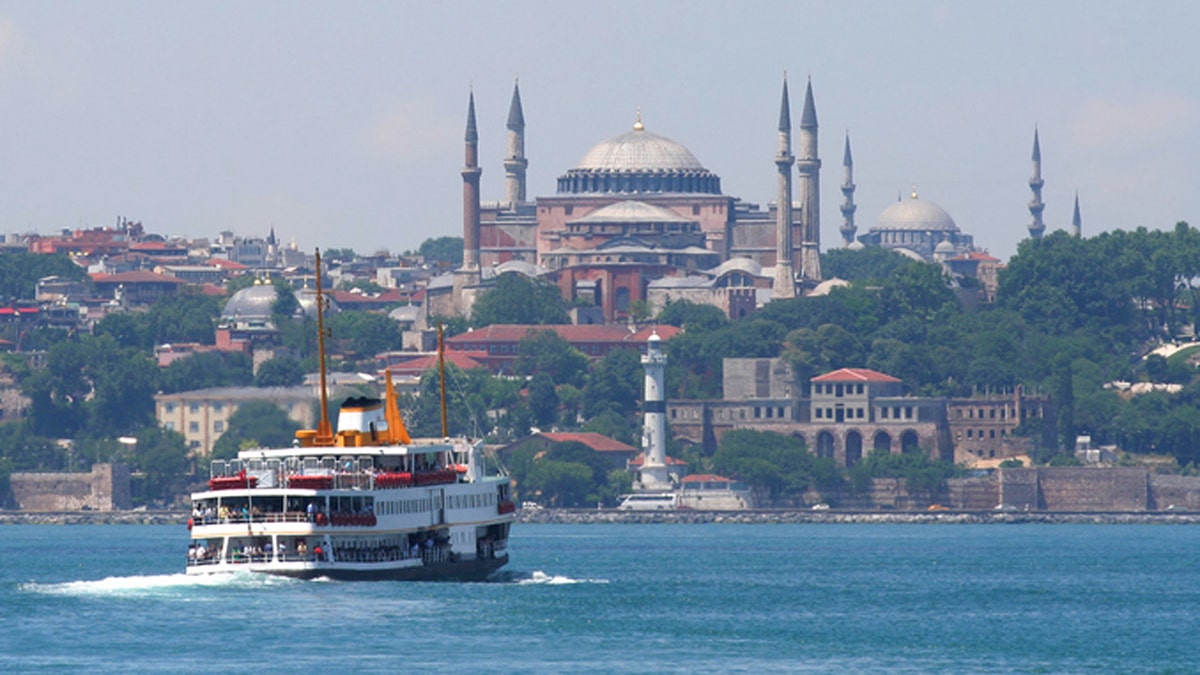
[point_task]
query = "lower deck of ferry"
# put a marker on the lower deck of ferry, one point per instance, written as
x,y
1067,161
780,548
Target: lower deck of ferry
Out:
x,y
430,553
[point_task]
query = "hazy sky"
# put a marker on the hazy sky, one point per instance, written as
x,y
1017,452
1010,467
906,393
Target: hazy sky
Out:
x,y
341,123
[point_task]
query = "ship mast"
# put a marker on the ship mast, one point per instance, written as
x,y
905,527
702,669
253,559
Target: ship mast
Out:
x,y
442,381
324,429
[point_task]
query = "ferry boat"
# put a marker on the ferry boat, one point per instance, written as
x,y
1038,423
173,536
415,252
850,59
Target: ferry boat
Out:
x,y
368,502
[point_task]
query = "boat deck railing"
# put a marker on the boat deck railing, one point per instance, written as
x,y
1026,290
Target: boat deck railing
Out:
x,y
225,477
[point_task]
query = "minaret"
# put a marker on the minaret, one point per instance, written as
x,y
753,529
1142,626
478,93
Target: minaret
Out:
x,y
515,163
470,176
654,475
1036,205
848,229
785,277
809,168
1076,220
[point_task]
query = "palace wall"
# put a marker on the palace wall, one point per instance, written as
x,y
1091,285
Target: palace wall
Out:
x,y
105,488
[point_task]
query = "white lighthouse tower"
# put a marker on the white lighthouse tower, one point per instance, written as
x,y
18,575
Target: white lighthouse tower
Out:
x,y
653,475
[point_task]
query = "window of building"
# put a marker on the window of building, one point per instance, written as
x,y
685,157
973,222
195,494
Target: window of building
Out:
x,y
757,412
169,426
218,407
820,413
883,412
194,427
219,426
195,407
970,433
170,407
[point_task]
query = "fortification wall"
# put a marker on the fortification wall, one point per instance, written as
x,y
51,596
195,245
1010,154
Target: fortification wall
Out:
x,y
105,488
1174,493
974,494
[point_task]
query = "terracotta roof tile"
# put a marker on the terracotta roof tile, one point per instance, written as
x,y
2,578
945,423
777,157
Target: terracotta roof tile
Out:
x,y
855,375
595,441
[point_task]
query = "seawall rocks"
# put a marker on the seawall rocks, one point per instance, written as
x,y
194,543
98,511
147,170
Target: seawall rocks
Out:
x,y
588,517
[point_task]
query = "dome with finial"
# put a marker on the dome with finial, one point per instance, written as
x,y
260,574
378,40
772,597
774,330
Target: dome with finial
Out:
x,y
915,214
639,161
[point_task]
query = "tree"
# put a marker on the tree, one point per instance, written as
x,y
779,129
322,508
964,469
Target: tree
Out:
x,y
442,251
280,371
779,464
362,335
543,400
21,270
869,264
517,299
162,457
203,370
615,384
255,424
545,351
692,317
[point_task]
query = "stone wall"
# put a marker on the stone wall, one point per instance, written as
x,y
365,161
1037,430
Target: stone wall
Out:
x,y
105,488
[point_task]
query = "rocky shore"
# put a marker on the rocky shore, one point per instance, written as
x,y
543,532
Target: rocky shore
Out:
x,y
593,516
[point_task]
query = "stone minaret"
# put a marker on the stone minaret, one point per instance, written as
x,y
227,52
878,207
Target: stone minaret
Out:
x,y
1076,220
1036,205
848,228
470,176
515,163
809,167
785,277
654,474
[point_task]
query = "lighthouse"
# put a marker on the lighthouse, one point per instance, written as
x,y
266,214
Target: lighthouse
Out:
x,y
654,474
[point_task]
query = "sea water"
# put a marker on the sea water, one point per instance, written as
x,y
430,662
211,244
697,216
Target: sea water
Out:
x,y
628,598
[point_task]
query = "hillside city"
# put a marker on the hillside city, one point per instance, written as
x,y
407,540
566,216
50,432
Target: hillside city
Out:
x,y
906,368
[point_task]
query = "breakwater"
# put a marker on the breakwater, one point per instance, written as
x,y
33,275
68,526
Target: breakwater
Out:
x,y
598,516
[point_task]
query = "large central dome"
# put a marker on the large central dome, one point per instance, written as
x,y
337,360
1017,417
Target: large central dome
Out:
x,y
915,214
639,150
639,162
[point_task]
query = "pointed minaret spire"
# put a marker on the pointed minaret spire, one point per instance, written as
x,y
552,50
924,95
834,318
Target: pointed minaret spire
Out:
x,y
808,166
1036,205
515,163
848,228
785,276
470,176
1077,220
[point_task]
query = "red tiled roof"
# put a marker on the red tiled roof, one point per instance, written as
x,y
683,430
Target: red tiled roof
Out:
x,y
226,264
422,363
671,461
976,255
595,441
138,277
855,375
705,478
212,289
568,332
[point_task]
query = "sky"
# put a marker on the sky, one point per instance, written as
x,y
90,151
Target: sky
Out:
x,y
340,124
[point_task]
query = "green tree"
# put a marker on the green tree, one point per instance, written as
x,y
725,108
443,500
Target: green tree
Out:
x,y
21,270
779,464
544,351
203,370
280,371
442,251
693,317
615,384
162,457
869,264
517,299
543,399
255,424
362,335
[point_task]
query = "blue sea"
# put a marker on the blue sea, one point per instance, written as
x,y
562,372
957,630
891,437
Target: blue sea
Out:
x,y
629,598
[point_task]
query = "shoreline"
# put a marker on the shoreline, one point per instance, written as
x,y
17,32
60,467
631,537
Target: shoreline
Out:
x,y
612,516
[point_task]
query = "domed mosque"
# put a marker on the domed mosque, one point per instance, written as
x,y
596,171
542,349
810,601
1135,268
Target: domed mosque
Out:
x,y
920,229
637,208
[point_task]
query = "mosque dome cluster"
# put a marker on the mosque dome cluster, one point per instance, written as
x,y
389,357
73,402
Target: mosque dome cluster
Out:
x,y
639,161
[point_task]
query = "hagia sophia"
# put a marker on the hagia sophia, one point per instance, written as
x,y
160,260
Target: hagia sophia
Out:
x,y
640,219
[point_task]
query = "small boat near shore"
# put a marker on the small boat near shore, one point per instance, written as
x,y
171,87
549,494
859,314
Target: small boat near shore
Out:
x,y
367,502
